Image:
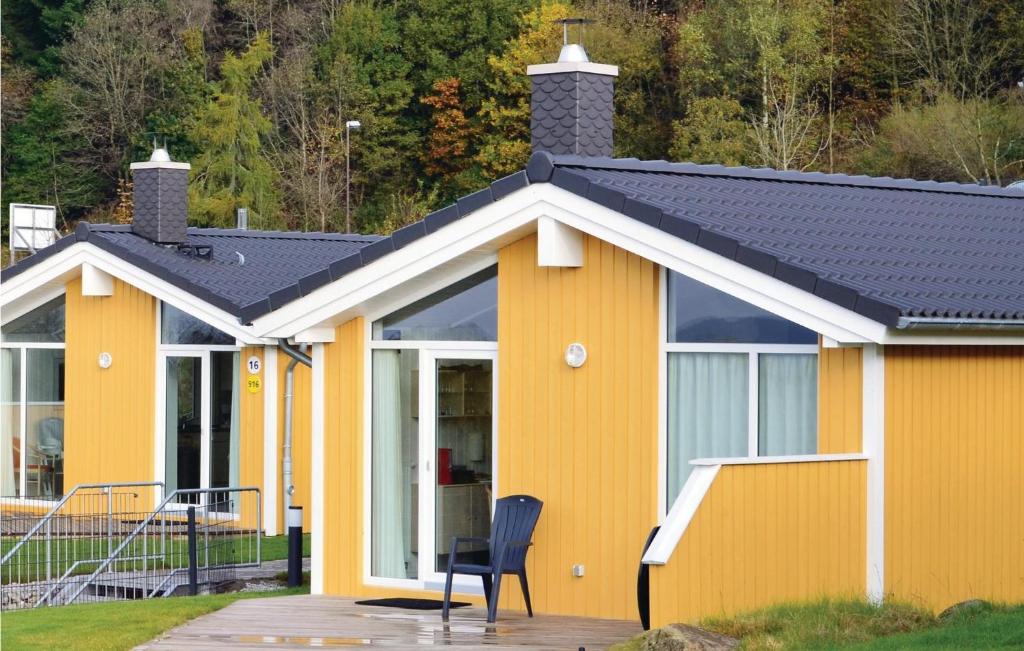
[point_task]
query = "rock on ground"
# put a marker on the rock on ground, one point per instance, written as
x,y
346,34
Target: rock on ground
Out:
x,y
682,637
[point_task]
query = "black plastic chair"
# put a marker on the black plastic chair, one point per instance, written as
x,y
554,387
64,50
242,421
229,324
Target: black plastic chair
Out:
x,y
515,517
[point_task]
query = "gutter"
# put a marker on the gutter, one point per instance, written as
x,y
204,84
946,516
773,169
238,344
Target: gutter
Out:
x,y
298,356
945,323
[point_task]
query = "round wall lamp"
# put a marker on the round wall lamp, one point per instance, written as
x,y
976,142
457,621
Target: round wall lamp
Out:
x,y
575,355
105,360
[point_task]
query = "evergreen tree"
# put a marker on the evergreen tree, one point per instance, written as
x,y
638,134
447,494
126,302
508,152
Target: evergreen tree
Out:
x,y
232,170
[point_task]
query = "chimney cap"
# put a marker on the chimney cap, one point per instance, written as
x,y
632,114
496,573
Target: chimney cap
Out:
x,y
160,155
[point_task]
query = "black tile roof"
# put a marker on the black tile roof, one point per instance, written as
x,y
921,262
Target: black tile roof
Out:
x,y
885,248
248,273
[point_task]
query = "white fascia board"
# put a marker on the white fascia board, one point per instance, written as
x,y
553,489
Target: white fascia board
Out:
x,y
519,213
96,282
465,235
68,263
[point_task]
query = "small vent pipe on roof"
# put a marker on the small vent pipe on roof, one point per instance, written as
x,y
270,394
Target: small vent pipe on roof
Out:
x,y
298,355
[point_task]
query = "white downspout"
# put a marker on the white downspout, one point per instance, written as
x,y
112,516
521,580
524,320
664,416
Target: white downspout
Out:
x,y
297,355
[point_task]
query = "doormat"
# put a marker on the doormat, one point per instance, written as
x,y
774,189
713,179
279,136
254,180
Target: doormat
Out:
x,y
414,604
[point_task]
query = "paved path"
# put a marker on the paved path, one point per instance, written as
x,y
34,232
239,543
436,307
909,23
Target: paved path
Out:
x,y
303,622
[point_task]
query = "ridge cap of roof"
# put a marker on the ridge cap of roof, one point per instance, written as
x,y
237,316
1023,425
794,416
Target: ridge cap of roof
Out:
x,y
769,174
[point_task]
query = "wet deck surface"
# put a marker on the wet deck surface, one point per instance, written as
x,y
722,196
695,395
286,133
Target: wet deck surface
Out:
x,y
304,622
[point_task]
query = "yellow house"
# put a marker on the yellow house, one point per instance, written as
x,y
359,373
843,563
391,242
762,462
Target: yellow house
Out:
x,y
810,384
128,355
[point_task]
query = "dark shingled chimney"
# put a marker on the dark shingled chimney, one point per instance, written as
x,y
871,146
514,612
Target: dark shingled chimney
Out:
x,y
571,106
160,198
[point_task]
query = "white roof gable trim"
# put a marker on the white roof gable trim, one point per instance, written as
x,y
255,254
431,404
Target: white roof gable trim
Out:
x,y
517,214
23,292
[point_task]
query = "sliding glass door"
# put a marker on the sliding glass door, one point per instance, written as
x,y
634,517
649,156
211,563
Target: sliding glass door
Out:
x,y
201,422
432,449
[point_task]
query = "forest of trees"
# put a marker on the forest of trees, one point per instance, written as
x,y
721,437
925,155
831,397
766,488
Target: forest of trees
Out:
x,y
255,95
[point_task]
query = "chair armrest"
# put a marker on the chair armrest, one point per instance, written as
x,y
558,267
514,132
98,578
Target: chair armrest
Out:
x,y
519,543
461,539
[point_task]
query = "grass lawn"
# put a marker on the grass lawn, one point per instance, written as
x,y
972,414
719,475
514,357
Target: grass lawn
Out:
x,y
110,626
858,625
272,548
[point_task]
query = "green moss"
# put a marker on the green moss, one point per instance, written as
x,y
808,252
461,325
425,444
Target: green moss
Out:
x,y
852,624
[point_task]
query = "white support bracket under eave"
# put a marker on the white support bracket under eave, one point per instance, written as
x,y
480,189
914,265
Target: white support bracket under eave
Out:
x,y
315,335
558,245
96,282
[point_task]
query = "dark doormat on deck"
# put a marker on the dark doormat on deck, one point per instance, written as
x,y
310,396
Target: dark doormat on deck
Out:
x,y
415,604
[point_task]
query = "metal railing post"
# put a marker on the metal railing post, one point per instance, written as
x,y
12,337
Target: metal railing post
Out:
x,y
110,520
193,561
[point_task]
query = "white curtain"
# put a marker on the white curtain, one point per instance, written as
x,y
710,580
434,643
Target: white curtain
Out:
x,y
171,426
707,411
388,553
10,420
234,450
788,404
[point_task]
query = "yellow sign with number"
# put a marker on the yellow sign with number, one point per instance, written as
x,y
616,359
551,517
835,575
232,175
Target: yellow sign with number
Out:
x,y
253,384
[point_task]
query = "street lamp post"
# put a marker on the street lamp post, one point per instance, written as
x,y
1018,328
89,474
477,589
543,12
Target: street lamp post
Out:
x,y
351,124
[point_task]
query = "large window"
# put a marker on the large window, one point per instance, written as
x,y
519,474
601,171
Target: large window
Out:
x,y
32,403
741,381
201,377
464,311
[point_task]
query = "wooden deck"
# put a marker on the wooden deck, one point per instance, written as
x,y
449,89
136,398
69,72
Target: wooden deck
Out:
x,y
303,622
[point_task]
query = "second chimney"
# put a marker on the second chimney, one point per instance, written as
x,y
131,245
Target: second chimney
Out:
x,y
572,104
160,199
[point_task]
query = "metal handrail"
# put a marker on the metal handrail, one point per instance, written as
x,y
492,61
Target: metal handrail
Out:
x,y
158,510
49,514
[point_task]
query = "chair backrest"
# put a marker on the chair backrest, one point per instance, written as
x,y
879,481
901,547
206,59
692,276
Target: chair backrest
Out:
x,y
51,436
515,517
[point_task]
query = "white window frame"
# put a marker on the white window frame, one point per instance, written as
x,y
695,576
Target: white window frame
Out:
x,y
22,347
202,352
429,351
752,351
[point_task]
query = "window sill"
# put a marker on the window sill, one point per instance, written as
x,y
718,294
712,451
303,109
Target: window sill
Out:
x,y
794,458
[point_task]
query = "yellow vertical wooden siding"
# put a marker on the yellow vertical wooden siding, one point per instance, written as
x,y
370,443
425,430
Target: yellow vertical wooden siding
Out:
x,y
582,440
839,400
954,474
250,468
302,427
343,468
109,413
764,534
343,459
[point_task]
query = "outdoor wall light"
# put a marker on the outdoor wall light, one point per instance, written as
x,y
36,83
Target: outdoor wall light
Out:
x,y
575,355
105,360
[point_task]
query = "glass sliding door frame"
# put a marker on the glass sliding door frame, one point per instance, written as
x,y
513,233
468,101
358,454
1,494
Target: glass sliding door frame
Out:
x,y
429,359
20,351
429,353
204,354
